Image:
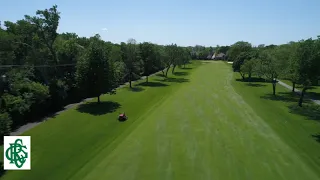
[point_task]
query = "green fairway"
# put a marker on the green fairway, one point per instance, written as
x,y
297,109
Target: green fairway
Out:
x,y
199,124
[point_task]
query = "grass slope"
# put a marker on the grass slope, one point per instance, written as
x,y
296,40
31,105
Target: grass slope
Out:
x,y
207,126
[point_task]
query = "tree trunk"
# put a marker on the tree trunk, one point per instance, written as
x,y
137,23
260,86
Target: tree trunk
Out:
x,y
99,99
54,55
174,66
167,71
57,71
1,104
301,96
242,75
293,86
130,80
249,77
162,72
274,83
147,78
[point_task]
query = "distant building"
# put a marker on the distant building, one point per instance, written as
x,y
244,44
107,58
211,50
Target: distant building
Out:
x,y
220,56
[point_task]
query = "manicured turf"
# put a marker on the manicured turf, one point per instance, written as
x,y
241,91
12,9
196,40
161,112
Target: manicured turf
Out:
x,y
203,124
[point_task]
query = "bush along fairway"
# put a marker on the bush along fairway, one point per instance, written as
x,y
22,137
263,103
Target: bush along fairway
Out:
x,y
198,123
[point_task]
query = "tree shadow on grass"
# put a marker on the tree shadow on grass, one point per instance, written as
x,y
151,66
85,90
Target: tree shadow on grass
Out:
x,y
187,68
175,80
255,85
205,62
310,88
283,96
309,110
313,95
2,171
316,137
253,79
160,75
181,73
135,89
152,84
97,109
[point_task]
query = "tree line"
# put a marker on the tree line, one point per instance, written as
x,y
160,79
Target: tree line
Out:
x,y
42,71
298,62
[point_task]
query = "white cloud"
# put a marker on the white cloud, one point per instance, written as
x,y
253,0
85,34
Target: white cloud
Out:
x,y
104,29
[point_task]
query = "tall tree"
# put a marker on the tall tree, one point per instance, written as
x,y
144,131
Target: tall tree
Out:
x,y
93,70
248,67
186,57
162,59
308,57
47,22
148,56
237,48
132,60
115,57
240,59
269,67
25,41
179,58
172,53
7,55
288,61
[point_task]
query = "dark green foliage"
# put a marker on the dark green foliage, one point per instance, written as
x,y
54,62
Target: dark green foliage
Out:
x,y
307,68
24,99
237,48
132,60
173,55
46,23
117,66
247,68
58,93
148,57
5,125
222,49
239,60
93,75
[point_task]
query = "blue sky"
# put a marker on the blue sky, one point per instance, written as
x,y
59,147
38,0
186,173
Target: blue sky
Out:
x,y
185,22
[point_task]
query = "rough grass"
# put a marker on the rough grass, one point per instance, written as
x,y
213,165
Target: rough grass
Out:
x,y
203,125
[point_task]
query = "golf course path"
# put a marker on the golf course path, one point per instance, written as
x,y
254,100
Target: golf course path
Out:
x,y
203,130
